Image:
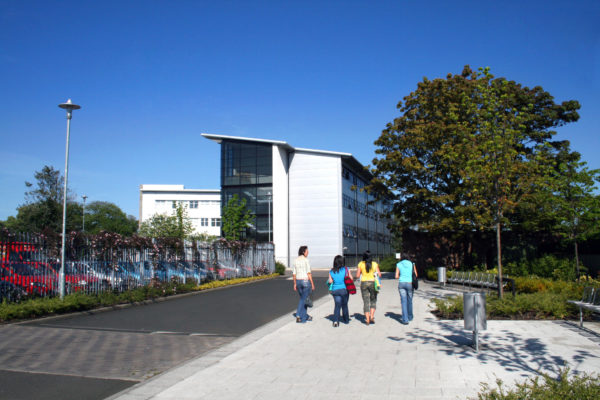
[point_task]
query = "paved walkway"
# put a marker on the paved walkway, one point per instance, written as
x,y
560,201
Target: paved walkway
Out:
x,y
428,359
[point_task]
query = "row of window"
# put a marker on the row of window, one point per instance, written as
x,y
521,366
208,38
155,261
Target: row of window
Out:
x,y
189,203
351,176
361,208
361,233
213,221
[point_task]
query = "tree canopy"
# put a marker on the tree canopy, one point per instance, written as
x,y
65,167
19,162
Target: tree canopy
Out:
x,y
106,216
42,210
467,152
178,225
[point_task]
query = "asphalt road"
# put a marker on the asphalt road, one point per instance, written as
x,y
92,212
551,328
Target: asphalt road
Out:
x,y
92,356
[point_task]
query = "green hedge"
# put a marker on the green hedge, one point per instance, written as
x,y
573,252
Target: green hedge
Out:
x,y
540,305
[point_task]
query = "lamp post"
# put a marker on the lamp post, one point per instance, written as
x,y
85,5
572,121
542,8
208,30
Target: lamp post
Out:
x,y
269,226
83,215
69,106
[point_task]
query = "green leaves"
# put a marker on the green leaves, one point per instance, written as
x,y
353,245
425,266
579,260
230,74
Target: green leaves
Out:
x,y
469,152
235,218
177,225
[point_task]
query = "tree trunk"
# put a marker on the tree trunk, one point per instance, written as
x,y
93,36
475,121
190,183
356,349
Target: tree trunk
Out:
x,y
499,248
576,259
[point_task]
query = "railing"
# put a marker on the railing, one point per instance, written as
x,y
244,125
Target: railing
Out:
x,y
29,265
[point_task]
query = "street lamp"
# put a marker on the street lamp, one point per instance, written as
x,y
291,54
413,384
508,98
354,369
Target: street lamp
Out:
x,y
84,199
269,226
69,106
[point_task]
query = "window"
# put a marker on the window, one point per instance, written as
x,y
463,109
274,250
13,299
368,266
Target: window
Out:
x,y
203,221
174,204
193,203
215,222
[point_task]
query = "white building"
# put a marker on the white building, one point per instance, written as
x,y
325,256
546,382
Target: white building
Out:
x,y
203,206
303,197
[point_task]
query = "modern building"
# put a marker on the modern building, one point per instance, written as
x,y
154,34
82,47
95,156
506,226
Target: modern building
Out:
x,y
303,197
203,206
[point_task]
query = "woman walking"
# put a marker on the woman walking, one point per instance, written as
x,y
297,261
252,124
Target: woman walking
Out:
x,y
303,283
404,274
338,291
366,271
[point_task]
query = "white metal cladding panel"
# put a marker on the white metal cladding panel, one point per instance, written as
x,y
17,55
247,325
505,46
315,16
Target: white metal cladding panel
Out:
x,y
315,206
280,203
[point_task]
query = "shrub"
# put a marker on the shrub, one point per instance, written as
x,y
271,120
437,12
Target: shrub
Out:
x,y
584,387
431,274
388,264
540,305
279,268
547,266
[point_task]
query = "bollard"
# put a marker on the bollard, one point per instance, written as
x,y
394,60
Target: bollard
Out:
x,y
475,314
442,275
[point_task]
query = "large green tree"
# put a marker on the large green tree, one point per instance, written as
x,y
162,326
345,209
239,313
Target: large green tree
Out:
x,y
466,152
106,216
235,218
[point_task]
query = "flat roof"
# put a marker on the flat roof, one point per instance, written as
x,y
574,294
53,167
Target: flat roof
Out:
x,y
175,188
349,158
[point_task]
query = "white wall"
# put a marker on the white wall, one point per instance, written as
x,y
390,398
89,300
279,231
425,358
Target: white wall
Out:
x,y
315,196
158,199
280,204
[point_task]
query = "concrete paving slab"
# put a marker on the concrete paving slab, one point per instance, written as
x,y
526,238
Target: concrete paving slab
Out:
x,y
428,359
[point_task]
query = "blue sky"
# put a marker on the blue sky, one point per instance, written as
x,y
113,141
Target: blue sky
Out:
x,y
152,75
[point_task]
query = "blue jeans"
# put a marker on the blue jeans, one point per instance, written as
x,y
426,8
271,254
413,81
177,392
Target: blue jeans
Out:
x,y
406,296
304,290
340,297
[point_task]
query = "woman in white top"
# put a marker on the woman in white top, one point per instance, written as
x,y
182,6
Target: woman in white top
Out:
x,y
303,283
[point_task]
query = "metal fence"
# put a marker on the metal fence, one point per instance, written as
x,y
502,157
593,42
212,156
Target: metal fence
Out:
x,y
30,265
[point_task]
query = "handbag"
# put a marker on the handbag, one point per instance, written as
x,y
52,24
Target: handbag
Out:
x,y
349,282
415,280
309,301
377,282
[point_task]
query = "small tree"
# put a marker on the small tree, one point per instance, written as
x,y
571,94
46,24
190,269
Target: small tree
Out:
x,y
235,218
576,207
177,225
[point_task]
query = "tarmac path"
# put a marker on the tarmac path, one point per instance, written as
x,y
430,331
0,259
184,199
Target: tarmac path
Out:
x,y
94,355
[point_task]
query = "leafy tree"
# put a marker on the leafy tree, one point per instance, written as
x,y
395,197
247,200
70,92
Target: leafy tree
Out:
x,y
177,225
43,205
235,218
106,216
466,152
575,206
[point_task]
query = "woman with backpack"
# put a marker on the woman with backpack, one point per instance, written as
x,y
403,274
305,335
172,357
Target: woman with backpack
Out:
x,y
366,271
337,288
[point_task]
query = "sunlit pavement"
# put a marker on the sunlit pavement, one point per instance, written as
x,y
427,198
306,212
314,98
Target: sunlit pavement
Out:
x,y
427,359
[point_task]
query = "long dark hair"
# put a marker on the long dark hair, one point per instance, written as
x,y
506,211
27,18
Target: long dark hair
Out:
x,y
301,250
367,260
338,262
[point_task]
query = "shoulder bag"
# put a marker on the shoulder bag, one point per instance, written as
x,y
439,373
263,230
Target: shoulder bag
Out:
x,y
415,280
349,282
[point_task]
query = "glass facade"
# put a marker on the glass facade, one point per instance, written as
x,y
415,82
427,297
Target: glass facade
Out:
x,y
247,170
364,222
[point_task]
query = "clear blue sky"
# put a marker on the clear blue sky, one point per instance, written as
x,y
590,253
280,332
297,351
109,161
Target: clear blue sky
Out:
x,y
152,75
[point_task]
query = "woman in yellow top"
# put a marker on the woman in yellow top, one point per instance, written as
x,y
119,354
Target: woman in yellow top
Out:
x,y
366,271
